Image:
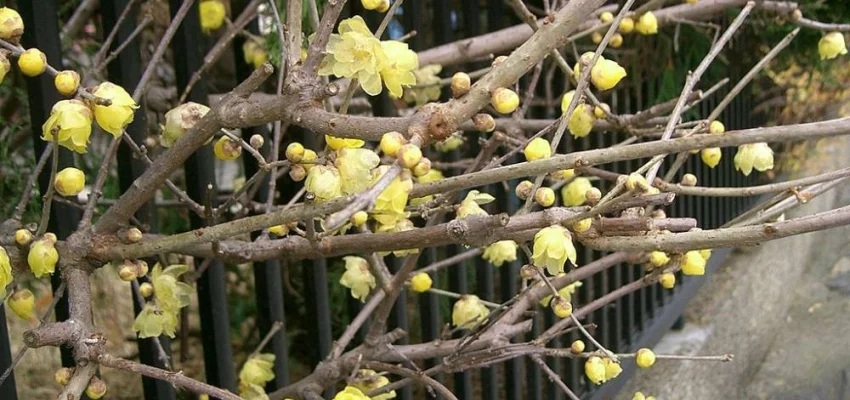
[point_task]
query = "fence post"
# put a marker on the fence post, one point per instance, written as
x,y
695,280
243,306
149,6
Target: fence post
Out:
x,y
200,183
42,30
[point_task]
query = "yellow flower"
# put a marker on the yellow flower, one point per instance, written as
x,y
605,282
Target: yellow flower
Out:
x,y
153,322
612,369
391,142
258,369
754,155
115,117
471,204
69,181
212,15
566,99
564,174
32,62
705,253
616,41
250,391
638,396
23,304
451,143
71,119
667,280
499,252
607,16
67,82
384,7
355,53
421,282
468,312
711,156
645,358
504,100
582,120
427,87
341,143
227,149
627,25
324,182
398,72
647,24
96,388
171,294
545,196
368,380
606,74
5,271
537,149
716,127
574,193
11,24
594,368
409,155
254,53
553,246
357,277
389,205
370,5
582,226
180,120
42,257
355,168
351,393
5,66
658,258
565,292
693,264
832,45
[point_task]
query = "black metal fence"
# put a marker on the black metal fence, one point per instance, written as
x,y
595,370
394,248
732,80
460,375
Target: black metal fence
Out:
x,y
636,320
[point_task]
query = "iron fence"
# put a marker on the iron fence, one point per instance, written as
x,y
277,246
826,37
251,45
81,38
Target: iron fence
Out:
x,y
636,320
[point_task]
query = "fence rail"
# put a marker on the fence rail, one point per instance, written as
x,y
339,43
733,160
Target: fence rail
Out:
x,y
636,320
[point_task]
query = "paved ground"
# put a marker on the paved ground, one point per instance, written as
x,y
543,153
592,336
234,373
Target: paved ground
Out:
x,y
783,310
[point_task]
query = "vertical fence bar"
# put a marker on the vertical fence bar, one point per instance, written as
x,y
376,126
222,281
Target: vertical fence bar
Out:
x,y
126,70
7,389
268,283
200,183
42,31
399,319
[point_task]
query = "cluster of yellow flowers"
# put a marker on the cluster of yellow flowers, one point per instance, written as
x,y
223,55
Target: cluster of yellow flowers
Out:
x,y
356,53
357,277
170,296
256,371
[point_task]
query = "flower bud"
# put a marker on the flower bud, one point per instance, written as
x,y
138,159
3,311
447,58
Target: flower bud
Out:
x,y
606,17
561,307
582,226
605,74
601,110
545,196
42,257
422,168
294,152
504,100
647,24
830,46
796,15
22,303
596,37
537,149
279,230
460,84
577,347
627,25
141,268
594,368
23,237
146,290
639,395
227,149
180,120
32,62
359,218
297,173
563,174
371,4
575,192
51,237
134,235
498,61
384,6
421,282
616,41
667,280
693,264
127,272
711,156
11,25
523,189
484,122
212,14
115,117
69,181
658,258
257,141
716,127
409,155
63,375
645,358
636,182
391,142
688,180
527,271
593,195
67,82
97,387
